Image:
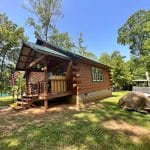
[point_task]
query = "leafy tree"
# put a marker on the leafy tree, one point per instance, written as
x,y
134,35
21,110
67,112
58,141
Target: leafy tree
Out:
x,y
80,47
136,68
121,74
10,39
62,40
136,33
82,50
105,58
20,84
115,54
4,81
45,13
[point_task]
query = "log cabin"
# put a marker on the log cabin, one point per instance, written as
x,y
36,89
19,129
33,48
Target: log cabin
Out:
x,y
53,72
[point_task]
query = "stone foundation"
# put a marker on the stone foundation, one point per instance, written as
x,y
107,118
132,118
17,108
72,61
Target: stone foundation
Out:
x,y
90,96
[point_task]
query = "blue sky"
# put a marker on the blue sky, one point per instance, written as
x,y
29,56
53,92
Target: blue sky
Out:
x,y
98,20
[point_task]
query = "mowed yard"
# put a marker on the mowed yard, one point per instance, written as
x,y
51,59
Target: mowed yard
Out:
x,y
101,125
4,101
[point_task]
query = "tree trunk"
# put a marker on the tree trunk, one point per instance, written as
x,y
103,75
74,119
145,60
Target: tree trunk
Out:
x,y
46,33
148,78
3,59
1,69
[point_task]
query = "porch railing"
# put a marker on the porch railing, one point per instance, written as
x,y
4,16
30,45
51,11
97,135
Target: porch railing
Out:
x,y
59,84
56,84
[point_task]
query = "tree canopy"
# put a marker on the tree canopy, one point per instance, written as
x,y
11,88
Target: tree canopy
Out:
x,y
65,41
136,33
62,40
10,39
121,74
10,42
45,13
105,58
82,50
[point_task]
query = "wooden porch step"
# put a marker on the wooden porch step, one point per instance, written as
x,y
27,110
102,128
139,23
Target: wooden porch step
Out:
x,y
16,107
21,103
25,105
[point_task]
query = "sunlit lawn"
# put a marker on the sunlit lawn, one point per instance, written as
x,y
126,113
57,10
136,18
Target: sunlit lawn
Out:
x,y
5,101
101,126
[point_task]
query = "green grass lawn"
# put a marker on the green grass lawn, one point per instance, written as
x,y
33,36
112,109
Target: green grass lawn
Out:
x,y
5,101
101,126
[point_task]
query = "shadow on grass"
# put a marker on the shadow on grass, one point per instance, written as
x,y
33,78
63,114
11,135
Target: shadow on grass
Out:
x,y
111,110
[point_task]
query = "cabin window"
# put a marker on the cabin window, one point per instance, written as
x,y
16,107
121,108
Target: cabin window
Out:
x,y
97,74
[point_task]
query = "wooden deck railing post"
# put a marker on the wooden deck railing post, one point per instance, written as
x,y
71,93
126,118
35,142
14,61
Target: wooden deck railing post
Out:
x,y
45,87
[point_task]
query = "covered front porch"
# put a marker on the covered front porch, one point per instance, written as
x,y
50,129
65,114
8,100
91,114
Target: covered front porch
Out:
x,y
57,86
48,73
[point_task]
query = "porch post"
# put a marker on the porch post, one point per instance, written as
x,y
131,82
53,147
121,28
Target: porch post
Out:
x,y
45,87
28,87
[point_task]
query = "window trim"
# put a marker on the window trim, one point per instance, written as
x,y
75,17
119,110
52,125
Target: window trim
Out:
x,y
94,75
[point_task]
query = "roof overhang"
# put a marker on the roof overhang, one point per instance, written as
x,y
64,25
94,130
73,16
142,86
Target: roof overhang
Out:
x,y
31,52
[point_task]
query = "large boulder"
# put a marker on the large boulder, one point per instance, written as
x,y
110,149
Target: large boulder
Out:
x,y
135,101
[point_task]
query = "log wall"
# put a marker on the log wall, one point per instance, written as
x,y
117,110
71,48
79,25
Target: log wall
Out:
x,y
36,77
85,79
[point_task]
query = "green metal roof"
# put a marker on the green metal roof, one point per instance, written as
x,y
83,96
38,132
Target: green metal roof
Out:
x,y
45,50
74,54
